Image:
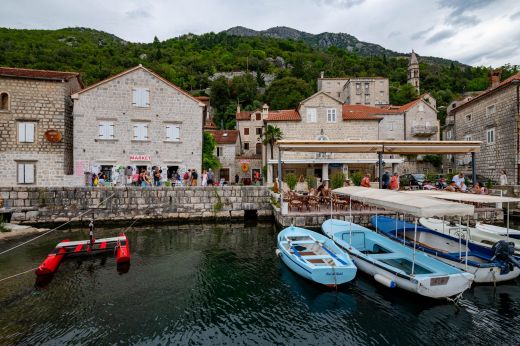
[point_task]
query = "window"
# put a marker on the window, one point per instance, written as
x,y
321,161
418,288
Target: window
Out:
x,y
106,130
311,115
258,116
490,110
490,136
367,88
220,151
140,132
331,115
4,101
26,132
259,131
246,146
246,131
26,173
468,117
173,132
449,134
358,88
259,148
367,100
468,138
141,97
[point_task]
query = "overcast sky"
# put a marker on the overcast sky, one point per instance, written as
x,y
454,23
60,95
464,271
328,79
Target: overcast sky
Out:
x,y
475,32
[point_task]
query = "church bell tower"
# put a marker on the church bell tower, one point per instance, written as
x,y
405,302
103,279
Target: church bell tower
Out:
x,y
413,72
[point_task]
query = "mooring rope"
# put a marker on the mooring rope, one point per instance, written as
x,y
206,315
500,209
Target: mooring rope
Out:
x,y
54,229
15,275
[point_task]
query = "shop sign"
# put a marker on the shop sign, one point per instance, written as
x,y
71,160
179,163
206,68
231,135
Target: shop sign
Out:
x,y
53,136
140,158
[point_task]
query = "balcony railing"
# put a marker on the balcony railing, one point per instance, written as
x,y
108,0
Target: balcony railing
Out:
x,y
423,130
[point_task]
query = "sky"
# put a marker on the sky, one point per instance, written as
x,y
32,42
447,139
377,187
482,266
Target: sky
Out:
x,y
474,32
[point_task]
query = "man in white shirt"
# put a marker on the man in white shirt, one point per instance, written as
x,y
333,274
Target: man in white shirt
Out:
x,y
458,179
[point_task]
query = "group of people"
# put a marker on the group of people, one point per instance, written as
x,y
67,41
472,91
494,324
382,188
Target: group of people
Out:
x,y
390,182
458,184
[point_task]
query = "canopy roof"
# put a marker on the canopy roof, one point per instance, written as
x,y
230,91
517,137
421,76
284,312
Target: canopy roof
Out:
x,y
463,197
388,147
418,206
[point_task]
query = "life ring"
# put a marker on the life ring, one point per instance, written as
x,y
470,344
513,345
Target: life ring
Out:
x,y
245,167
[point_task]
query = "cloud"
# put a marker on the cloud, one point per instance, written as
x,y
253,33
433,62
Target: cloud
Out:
x,y
419,35
458,16
515,16
137,14
394,34
341,3
439,36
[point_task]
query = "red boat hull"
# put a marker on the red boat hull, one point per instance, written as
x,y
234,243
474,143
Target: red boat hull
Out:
x,y
51,263
123,251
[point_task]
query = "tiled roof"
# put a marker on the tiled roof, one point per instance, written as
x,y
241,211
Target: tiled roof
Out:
x,y
284,115
362,112
489,91
210,125
409,105
225,136
37,74
244,115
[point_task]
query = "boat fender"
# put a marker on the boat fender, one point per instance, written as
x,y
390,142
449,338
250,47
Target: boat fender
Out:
x,y
278,253
384,281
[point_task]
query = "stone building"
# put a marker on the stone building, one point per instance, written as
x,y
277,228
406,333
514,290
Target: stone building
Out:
x,y
226,151
492,117
413,72
371,91
136,119
36,126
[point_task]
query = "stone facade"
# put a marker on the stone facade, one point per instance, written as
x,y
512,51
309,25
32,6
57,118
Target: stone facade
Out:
x,y
113,103
57,205
250,126
42,99
492,118
372,91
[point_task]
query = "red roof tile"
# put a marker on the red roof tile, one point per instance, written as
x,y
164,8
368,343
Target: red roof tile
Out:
x,y
362,112
504,83
210,125
284,115
37,74
224,136
244,115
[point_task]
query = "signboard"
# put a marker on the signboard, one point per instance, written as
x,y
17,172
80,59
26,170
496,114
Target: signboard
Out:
x,y
140,158
53,136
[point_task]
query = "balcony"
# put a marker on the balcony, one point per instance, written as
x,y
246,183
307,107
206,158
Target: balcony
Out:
x,y
424,131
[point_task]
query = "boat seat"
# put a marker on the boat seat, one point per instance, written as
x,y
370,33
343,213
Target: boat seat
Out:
x,y
297,242
385,256
317,257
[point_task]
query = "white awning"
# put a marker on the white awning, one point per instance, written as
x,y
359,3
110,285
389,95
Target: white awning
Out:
x,y
405,203
464,197
329,161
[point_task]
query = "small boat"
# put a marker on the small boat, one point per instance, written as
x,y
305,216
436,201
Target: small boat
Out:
x,y
487,266
315,257
67,248
481,234
394,265
502,231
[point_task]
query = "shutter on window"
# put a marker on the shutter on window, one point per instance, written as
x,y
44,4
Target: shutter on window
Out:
x,y
29,173
169,136
146,97
176,133
145,131
101,130
136,132
135,96
21,173
21,132
110,130
29,132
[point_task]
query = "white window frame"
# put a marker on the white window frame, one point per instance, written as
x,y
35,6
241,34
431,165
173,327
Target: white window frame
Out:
x,y
141,97
491,109
106,130
468,138
26,173
491,136
173,132
26,132
332,115
141,131
312,115
449,134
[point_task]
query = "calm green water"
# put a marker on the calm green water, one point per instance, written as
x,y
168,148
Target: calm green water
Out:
x,y
223,285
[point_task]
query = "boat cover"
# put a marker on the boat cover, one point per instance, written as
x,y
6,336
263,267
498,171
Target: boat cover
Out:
x,y
463,197
420,206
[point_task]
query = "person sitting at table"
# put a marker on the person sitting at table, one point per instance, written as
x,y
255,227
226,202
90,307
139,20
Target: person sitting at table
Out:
x,y
463,187
452,187
478,189
365,182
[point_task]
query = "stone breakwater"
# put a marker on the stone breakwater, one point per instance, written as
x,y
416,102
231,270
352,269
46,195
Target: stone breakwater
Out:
x,y
36,205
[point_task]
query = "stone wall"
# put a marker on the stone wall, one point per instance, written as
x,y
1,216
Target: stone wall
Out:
x,y
32,205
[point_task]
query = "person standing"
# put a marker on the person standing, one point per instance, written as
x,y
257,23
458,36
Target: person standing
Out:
x,y
194,177
204,178
386,180
237,178
186,177
210,177
503,177
394,182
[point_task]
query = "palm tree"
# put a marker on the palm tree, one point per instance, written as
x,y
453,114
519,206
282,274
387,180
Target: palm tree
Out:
x,y
271,135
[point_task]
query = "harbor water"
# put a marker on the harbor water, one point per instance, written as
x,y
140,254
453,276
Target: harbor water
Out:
x,y
222,284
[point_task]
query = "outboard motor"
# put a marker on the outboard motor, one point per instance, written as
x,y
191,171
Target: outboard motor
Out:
x,y
504,251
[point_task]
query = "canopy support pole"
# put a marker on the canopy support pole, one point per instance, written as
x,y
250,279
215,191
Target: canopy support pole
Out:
x,y
467,243
380,162
460,238
280,186
414,241
350,217
404,229
473,168
508,220
376,221
396,220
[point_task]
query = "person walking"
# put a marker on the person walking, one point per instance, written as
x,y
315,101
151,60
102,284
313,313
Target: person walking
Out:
x,y
503,178
394,182
386,180
204,178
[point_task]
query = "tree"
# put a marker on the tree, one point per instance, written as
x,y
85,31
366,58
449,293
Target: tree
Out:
x,y
287,92
244,88
209,160
402,94
271,135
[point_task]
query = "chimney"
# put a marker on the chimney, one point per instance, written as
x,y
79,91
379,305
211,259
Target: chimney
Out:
x,y
495,78
322,74
265,111
238,108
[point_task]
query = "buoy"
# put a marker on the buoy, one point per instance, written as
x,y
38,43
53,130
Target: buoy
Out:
x,y
384,281
278,253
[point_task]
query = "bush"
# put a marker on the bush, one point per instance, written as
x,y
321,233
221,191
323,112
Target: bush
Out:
x,y
489,184
338,180
404,181
356,178
312,182
435,160
431,177
291,180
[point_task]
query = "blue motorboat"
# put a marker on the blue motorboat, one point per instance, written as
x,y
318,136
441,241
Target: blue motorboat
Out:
x,y
395,265
314,257
486,264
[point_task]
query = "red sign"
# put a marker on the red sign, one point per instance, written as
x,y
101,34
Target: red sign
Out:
x,y
53,136
140,158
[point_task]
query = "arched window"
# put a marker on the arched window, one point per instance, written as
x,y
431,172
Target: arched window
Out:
x,y
4,101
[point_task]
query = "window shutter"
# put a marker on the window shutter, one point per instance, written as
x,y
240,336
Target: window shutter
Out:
x,y
21,173
21,132
168,133
29,173
29,132
146,97
110,130
135,96
101,130
176,133
145,131
136,132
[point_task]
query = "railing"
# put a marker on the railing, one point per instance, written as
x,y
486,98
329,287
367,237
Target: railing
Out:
x,y
423,130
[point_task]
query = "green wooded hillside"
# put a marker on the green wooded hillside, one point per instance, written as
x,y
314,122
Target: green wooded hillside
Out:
x,y
190,60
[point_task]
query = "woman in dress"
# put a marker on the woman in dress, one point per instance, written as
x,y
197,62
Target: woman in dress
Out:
x,y
503,177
